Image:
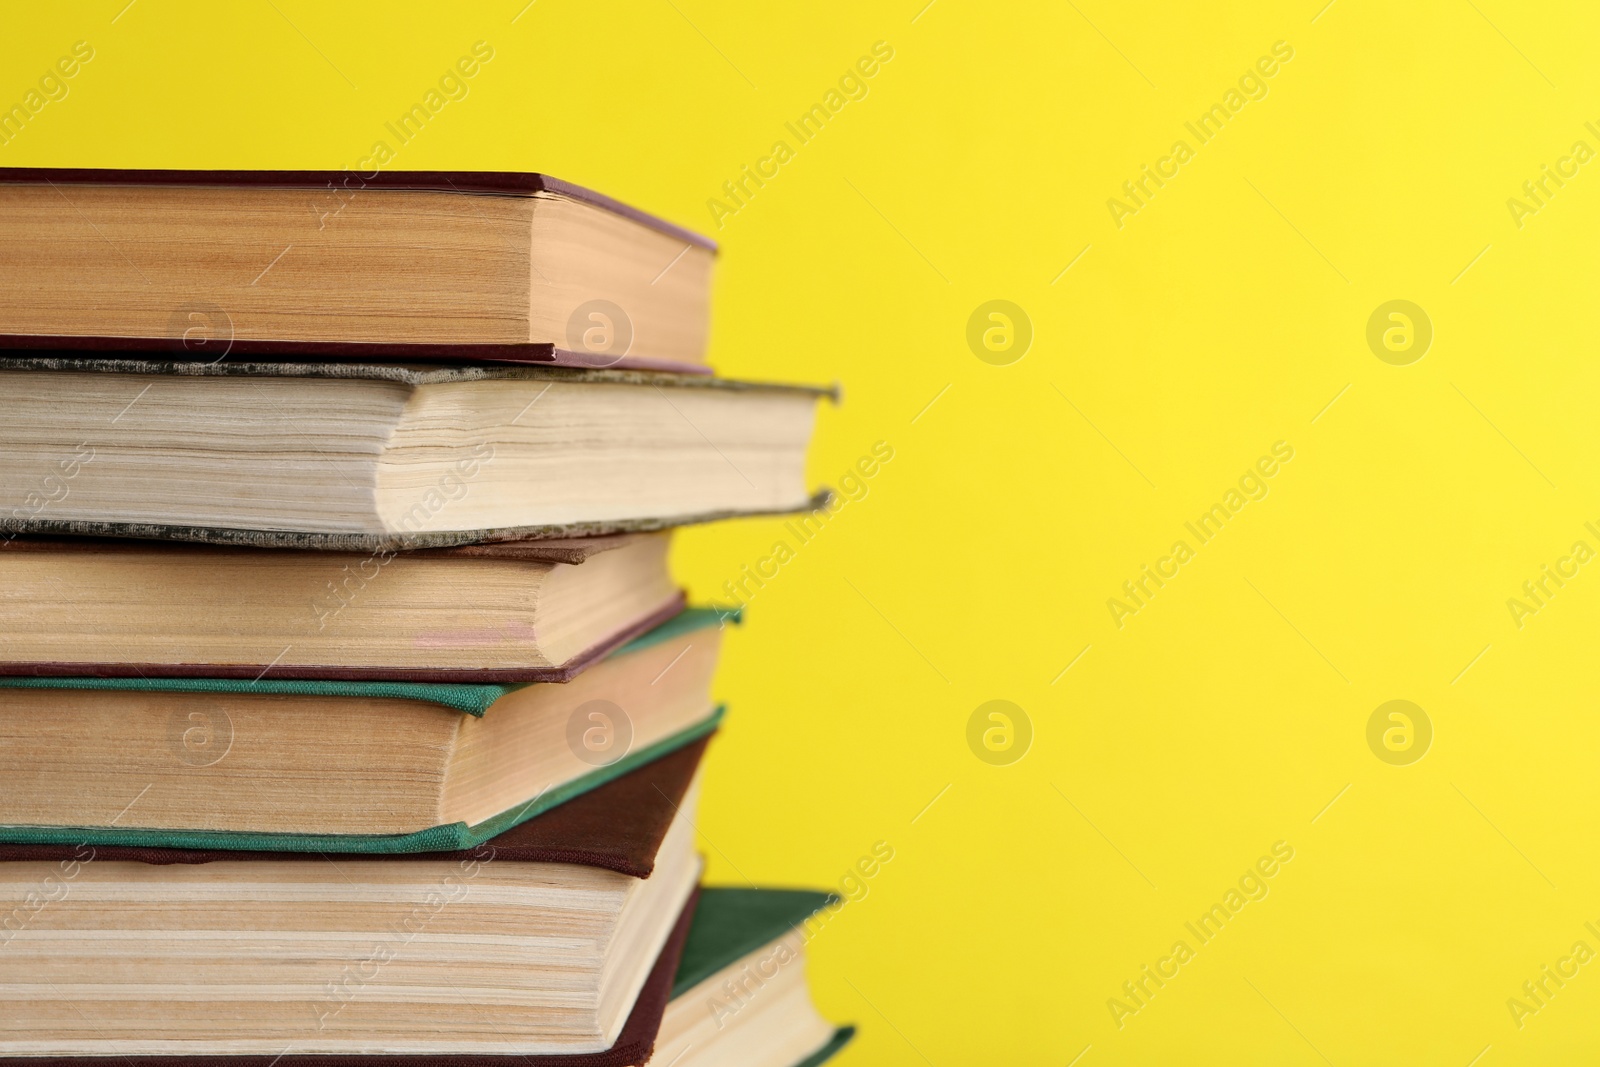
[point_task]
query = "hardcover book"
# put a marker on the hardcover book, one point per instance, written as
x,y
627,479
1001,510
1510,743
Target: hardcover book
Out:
x,y
435,265
329,766
737,999
493,952
365,456
740,996
505,612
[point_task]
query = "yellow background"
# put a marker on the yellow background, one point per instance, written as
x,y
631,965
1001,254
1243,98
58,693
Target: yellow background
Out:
x,y
1223,317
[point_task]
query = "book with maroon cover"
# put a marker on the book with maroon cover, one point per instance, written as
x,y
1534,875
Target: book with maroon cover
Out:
x,y
556,941
430,265
501,613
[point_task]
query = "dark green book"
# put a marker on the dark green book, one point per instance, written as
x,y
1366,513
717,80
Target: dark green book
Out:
x,y
740,994
329,766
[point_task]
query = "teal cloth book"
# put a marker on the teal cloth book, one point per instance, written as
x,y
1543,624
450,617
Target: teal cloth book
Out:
x,y
334,766
740,993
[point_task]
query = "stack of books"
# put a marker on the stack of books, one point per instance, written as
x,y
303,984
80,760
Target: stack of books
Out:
x,y
349,714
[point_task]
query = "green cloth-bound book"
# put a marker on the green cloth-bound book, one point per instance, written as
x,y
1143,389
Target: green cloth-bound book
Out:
x,y
732,922
338,766
841,1037
744,948
449,837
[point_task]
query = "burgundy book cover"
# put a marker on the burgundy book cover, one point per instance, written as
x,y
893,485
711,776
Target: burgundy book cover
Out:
x,y
492,182
633,1046
497,183
618,827
434,675
570,550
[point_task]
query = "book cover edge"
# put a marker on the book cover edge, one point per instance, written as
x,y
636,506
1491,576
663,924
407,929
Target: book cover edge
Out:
x,y
462,182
